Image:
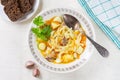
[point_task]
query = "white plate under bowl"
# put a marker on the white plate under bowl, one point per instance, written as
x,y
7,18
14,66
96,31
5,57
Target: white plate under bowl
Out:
x,y
25,17
63,68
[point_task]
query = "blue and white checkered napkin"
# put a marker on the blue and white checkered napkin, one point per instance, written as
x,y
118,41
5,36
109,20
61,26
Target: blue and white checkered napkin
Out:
x,y
106,13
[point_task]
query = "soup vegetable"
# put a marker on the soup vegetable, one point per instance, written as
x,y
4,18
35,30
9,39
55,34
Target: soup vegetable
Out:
x,y
56,42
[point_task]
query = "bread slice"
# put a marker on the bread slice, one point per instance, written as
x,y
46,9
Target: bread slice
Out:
x,y
13,11
32,2
25,5
4,2
16,9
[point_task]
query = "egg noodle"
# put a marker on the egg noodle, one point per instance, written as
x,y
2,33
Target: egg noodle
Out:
x,y
64,45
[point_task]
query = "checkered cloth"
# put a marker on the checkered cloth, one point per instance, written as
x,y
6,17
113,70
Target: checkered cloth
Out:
x,y
106,13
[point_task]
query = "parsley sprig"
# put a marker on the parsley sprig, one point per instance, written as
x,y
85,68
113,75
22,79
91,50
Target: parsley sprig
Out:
x,y
38,21
42,30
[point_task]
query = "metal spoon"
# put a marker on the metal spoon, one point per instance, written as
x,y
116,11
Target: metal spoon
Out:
x,y
73,23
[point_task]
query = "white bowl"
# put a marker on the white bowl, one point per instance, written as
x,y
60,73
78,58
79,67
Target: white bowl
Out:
x,y
63,68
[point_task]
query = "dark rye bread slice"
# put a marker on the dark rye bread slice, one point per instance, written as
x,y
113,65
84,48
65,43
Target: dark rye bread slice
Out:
x,y
13,11
25,5
32,2
4,2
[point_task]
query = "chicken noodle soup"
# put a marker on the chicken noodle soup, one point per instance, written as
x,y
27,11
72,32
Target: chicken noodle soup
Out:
x,y
63,45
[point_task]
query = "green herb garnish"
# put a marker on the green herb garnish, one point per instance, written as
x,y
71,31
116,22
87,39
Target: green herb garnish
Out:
x,y
42,30
38,21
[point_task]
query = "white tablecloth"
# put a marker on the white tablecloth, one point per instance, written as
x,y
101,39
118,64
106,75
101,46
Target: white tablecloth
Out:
x,y
15,52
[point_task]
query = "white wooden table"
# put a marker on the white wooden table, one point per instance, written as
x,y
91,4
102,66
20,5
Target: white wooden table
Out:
x,y
14,52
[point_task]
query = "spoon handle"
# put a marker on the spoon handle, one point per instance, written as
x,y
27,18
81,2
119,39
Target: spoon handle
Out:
x,y
103,52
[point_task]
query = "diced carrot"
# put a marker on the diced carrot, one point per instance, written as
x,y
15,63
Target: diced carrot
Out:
x,y
48,22
83,38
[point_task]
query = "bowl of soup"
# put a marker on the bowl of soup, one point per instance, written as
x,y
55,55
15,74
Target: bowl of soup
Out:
x,y
55,46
